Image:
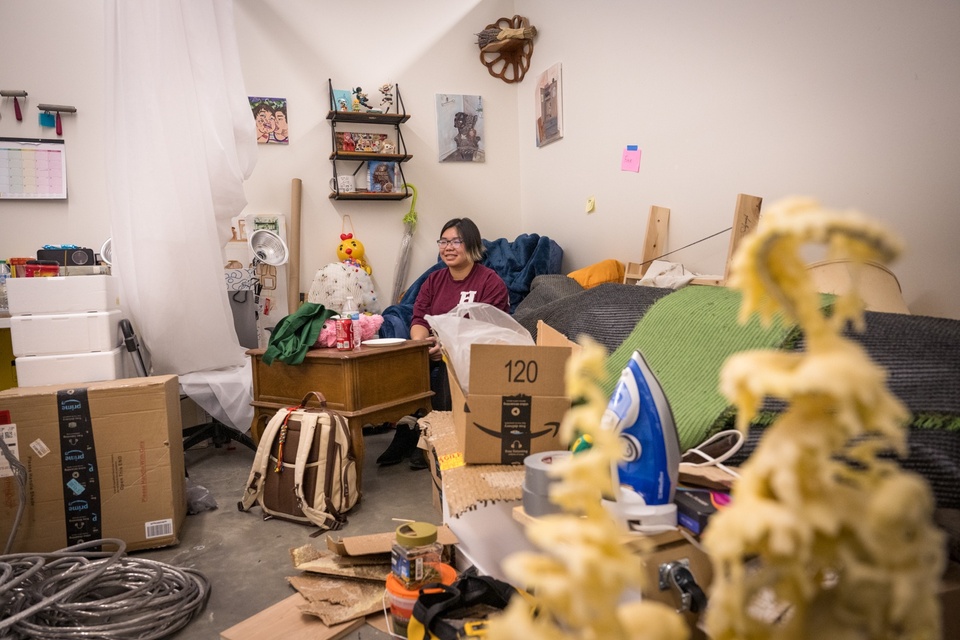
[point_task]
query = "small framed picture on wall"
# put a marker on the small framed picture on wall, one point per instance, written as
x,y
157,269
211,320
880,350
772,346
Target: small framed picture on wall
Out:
x,y
460,134
549,103
381,176
270,116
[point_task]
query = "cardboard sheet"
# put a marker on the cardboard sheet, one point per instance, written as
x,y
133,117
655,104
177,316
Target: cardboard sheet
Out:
x,y
285,620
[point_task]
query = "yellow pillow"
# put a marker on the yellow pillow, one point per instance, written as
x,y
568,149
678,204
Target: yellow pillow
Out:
x,y
598,273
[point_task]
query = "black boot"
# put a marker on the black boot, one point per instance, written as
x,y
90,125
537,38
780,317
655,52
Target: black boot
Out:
x,y
404,442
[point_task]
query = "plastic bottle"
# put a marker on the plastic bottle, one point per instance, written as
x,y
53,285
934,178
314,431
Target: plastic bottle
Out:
x,y
4,302
416,554
350,311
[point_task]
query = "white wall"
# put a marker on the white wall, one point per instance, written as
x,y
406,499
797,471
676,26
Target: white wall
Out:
x,y
54,52
291,48
854,103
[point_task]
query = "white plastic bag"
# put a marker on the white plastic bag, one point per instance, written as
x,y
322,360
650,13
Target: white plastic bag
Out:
x,y
485,325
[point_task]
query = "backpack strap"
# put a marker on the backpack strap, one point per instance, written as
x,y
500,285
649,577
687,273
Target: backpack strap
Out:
x,y
261,460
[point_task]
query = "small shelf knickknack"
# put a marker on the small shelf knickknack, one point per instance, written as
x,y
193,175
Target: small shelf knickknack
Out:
x,y
368,145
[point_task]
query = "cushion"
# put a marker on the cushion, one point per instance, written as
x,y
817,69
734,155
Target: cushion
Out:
x,y
599,273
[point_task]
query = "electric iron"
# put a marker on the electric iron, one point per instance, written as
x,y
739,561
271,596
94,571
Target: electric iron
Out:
x,y
645,478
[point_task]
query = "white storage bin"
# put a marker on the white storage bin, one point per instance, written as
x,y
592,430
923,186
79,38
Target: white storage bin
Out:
x,y
63,333
33,371
63,294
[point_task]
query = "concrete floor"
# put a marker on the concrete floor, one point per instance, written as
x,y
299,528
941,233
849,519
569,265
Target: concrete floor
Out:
x,y
247,559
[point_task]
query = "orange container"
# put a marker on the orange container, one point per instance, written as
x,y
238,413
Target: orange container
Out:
x,y
402,599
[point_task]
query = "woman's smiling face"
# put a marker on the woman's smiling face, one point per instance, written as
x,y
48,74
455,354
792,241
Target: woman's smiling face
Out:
x,y
454,253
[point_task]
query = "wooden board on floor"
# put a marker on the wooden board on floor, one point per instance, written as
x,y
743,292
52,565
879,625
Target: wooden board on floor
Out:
x,y
284,620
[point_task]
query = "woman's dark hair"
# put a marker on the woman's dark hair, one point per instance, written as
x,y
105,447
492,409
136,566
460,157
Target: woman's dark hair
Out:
x,y
470,235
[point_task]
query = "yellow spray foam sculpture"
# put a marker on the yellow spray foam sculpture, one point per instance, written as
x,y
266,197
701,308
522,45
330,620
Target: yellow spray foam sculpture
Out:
x,y
579,578
824,538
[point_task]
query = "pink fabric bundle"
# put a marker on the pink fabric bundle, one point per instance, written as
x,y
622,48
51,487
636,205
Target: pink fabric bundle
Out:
x,y
369,326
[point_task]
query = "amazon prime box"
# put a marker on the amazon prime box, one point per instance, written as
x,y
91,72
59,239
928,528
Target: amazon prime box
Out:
x,y
103,460
516,401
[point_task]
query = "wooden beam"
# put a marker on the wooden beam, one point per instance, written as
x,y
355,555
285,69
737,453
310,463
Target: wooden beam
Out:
x,y
654,244
745,219
655,241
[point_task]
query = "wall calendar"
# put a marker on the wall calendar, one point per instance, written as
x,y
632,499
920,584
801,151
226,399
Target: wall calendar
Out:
x,y
32,169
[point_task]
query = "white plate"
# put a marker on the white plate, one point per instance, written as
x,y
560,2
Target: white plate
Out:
x,y
382,342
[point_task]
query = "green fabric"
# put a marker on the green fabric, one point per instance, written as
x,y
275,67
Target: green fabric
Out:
x,y
685,338
296,333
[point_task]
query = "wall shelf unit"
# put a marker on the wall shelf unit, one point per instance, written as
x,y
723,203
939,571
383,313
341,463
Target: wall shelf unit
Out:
x,y
339,156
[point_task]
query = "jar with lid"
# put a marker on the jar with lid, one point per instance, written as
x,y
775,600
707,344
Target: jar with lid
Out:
x,y
416,554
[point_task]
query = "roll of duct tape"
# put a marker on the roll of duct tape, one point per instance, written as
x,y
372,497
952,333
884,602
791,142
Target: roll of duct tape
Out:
x,y
537,504
537,481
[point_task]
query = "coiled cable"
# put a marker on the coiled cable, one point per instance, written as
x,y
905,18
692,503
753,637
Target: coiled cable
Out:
x,y
85,593
80,592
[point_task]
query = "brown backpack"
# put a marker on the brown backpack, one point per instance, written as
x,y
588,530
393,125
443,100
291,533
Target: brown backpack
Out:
x,y
315,480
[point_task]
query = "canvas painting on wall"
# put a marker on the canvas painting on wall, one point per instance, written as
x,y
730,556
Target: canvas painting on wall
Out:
x,y
270,115
549,99
460,128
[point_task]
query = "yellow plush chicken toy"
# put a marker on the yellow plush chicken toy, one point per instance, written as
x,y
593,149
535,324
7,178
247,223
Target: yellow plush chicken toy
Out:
x,y
351,251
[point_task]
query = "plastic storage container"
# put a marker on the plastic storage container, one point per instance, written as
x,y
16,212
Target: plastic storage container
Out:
x,y
63,294
415,554
402,600
35,371
64,333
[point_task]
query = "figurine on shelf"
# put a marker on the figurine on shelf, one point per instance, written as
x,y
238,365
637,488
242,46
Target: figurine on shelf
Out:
x,y
387,101
388,147
342,104
360,99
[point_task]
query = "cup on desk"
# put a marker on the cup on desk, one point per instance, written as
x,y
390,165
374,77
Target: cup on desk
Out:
x,y
343,184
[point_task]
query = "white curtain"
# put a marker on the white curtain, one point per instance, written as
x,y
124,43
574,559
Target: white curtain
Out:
x,y
180,142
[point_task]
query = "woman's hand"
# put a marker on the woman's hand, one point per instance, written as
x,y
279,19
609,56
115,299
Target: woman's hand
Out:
x,y
420,332
435,351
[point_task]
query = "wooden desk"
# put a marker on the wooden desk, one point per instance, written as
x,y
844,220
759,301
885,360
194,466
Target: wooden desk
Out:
x,y
369,385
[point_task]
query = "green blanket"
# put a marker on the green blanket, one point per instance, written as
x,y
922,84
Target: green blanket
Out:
x,y
685,338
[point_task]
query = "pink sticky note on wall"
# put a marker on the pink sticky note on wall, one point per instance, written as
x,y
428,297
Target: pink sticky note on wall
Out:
x,y
630,160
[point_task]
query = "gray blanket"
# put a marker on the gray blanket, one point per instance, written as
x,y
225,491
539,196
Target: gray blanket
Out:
x,y
921,354
607,313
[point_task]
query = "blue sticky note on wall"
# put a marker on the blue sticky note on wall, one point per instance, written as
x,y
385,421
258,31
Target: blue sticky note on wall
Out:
x,y
48,120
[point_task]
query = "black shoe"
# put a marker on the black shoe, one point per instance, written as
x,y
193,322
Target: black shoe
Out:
x,y
375,429
418,460
404,442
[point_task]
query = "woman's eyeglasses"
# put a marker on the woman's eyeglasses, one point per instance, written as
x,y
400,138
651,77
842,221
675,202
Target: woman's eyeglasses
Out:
x,y
455,243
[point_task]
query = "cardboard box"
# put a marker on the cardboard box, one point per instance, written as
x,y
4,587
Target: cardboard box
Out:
x,y
63,294
192,414
45,334
69,369
103,461
516,402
